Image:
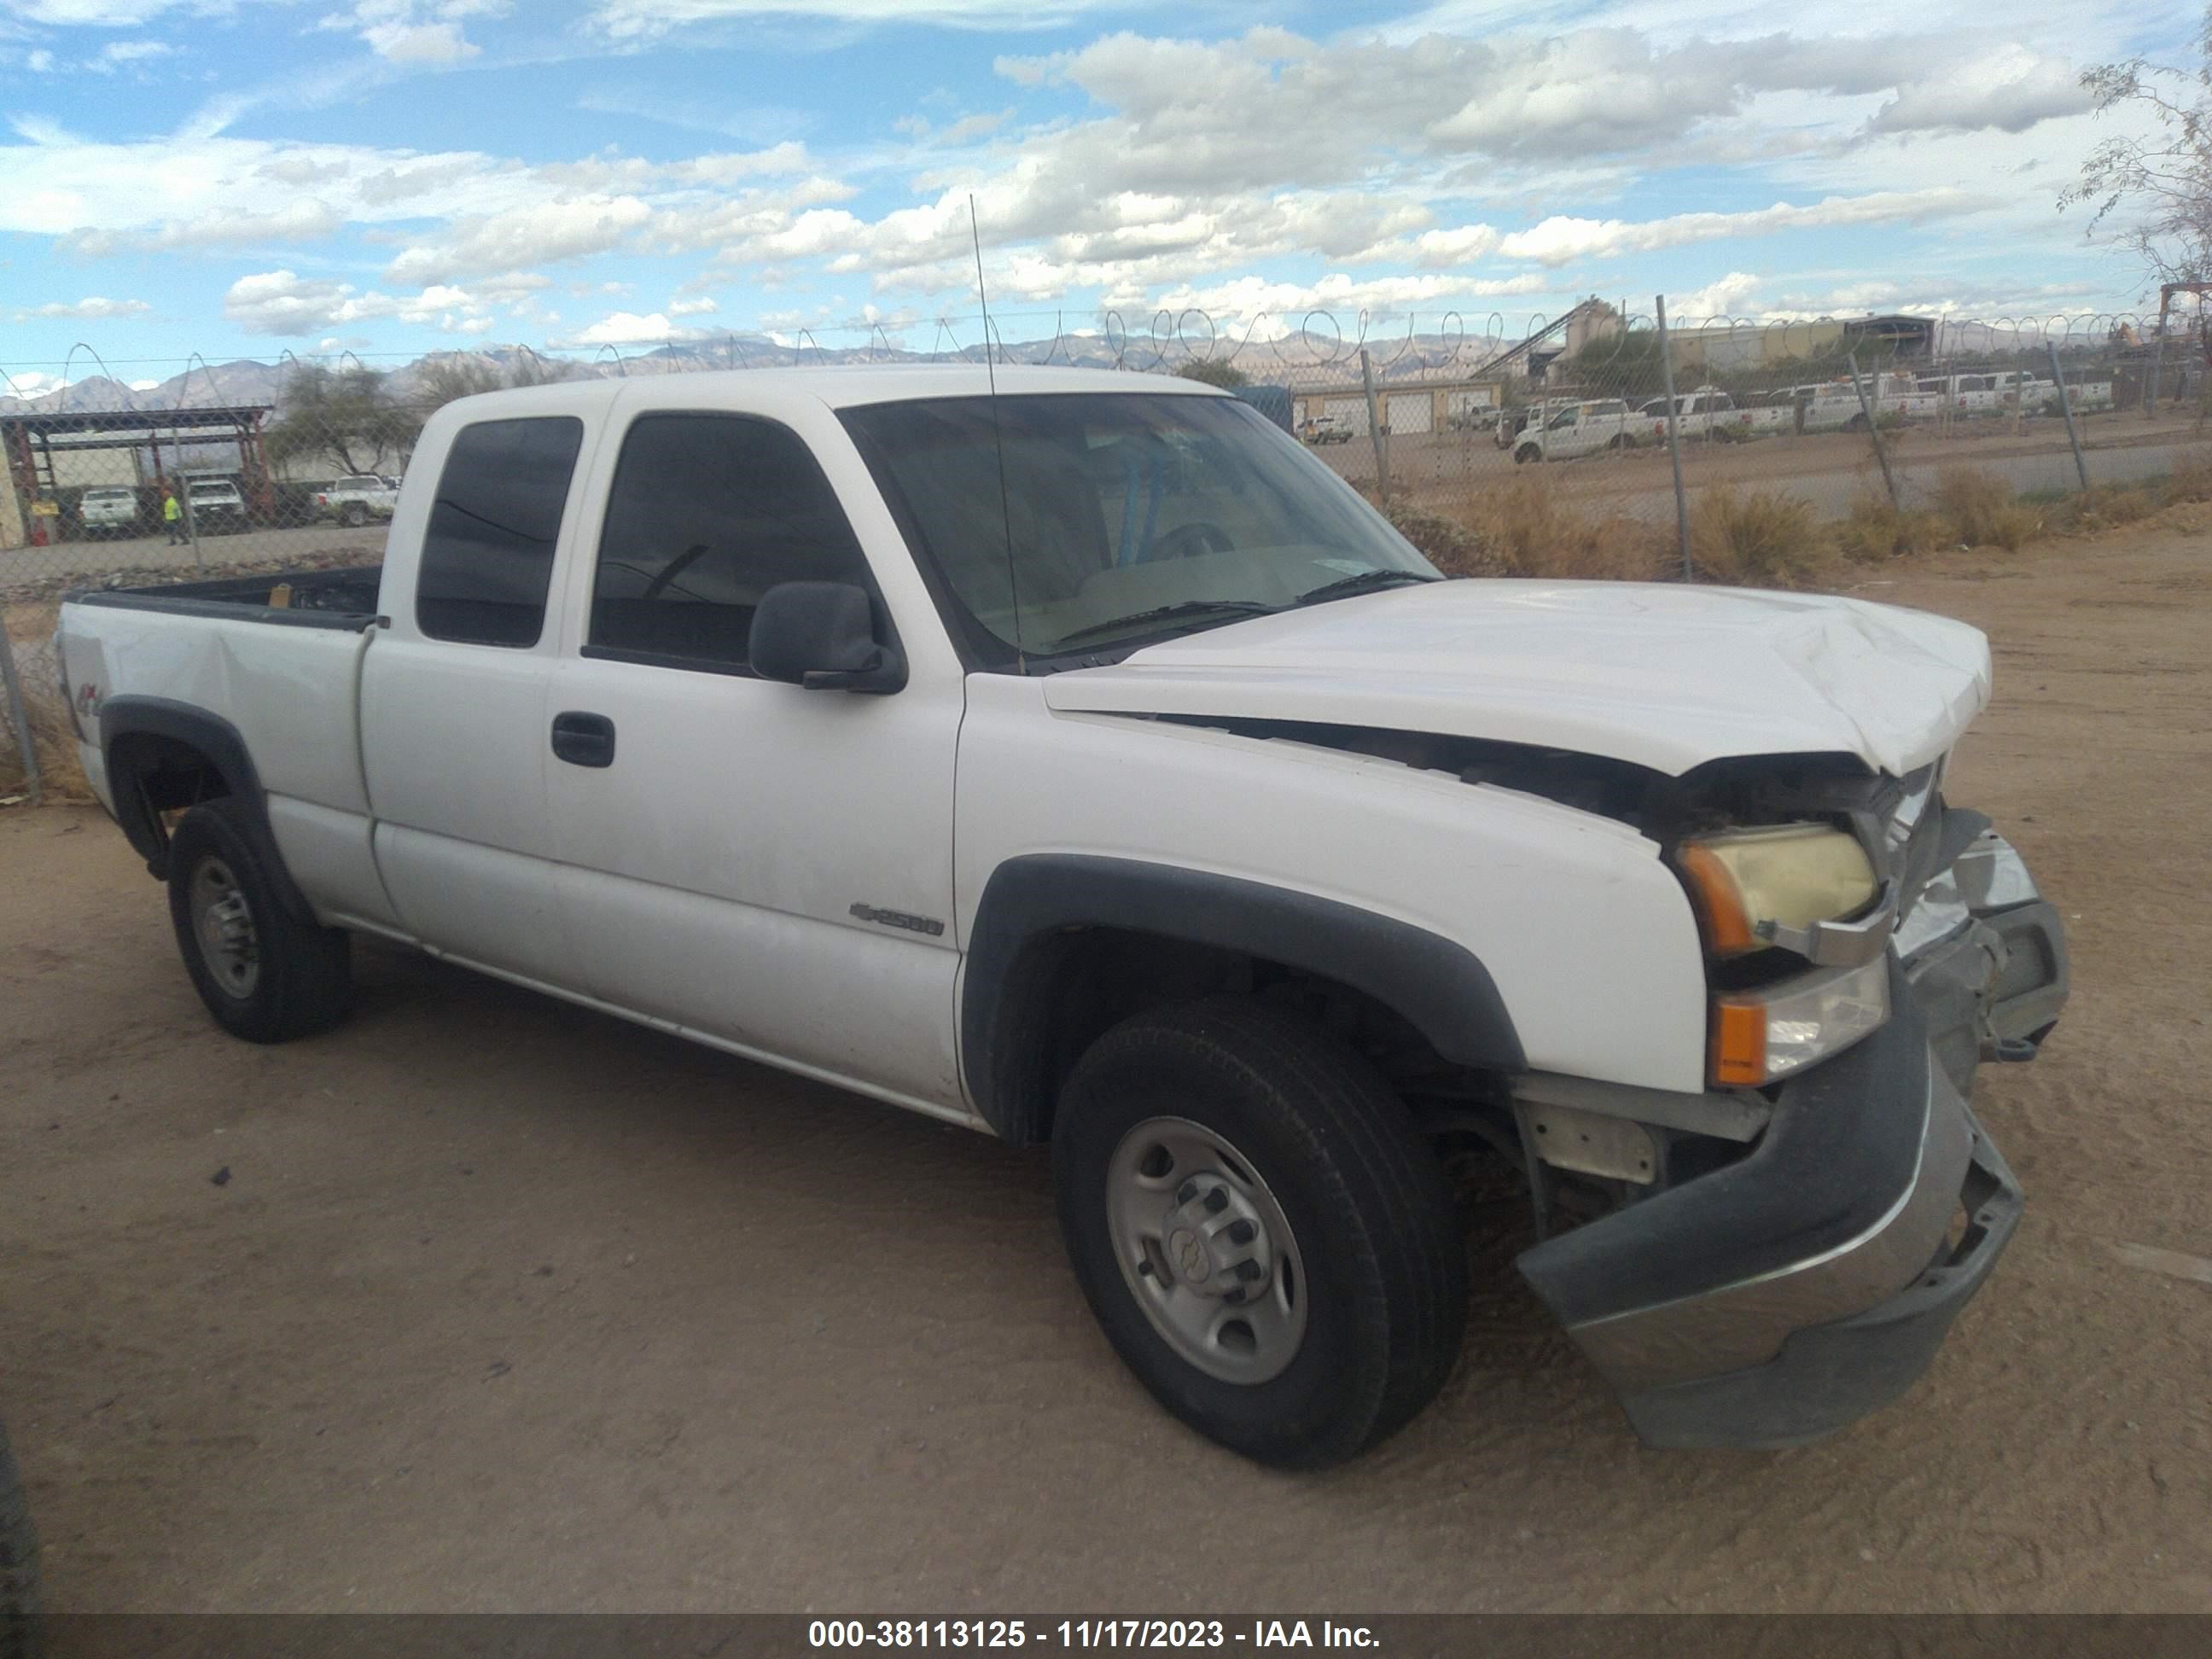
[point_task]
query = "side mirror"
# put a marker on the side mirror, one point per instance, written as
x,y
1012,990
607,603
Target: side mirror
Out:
x,y
822,635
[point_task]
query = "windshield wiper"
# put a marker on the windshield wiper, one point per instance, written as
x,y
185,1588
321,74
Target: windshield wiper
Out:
x,y
1362,582
1176,613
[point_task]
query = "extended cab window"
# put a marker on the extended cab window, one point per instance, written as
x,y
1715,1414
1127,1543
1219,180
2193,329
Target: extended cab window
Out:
x,y
708,511
488,554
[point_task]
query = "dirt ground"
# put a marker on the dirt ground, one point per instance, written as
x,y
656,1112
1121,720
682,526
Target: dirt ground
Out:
x,y
500,1304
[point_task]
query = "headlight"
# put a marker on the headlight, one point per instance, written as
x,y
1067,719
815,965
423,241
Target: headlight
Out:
x,y
1763,1035
1749,884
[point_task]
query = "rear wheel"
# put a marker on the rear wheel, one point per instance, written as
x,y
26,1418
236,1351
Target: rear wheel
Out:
x,y
355,515
1527,454
1263,1238
264,974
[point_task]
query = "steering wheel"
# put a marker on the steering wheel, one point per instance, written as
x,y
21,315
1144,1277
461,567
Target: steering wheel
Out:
x,y
1187,541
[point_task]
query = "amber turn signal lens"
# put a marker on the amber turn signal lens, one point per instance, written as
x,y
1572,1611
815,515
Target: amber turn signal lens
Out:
x,y
1739,1056
1720,903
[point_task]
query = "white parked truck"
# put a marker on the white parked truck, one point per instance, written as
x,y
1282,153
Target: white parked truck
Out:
x,y
1165,806
355,500
1577,429
110,510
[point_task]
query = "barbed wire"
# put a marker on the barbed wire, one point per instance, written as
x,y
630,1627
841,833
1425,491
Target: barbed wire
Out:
x,y
1591,342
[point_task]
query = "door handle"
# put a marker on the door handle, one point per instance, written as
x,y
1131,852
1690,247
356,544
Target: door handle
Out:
x,y
584,739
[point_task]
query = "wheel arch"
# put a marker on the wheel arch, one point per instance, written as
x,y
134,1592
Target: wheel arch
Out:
x,y
162,755
1048,924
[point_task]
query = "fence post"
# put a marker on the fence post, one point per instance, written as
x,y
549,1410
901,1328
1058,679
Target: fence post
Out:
x,y
19,716
1874,429
2066,408
1376,430
1673,439
2157,358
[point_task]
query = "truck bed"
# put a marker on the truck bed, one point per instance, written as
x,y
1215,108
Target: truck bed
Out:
x,y
307,599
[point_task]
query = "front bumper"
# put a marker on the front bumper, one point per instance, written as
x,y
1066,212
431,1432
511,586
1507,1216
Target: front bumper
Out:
x,y
1784,1296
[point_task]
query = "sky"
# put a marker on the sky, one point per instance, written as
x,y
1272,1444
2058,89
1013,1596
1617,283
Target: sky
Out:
x,y
242,178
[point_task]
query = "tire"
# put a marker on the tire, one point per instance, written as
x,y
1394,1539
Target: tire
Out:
x,y
1856,423
1527,454
264,974
1362,1301
19,1564
355,515
1619,441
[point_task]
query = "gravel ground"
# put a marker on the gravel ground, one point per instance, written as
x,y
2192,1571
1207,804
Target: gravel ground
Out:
x,y
485,1303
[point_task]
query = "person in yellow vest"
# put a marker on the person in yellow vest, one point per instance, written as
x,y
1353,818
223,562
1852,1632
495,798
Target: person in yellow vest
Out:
x,y
173,515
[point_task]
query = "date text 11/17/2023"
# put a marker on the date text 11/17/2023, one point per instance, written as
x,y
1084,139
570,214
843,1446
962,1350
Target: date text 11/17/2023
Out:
x,y
1086,1633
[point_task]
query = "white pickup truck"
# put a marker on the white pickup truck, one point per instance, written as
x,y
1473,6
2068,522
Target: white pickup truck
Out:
x,y
1165,805
355,500
1585,427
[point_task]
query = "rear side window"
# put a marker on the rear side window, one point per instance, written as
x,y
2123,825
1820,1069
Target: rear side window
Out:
x,y
488,554
707,512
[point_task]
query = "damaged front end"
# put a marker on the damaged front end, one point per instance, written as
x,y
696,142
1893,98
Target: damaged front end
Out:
x,y
1787,1282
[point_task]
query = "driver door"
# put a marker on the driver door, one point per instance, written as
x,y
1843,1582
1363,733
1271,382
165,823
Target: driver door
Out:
x,y
767,866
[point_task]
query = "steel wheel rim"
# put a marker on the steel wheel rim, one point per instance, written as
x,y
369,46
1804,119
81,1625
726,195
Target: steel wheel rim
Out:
x,y
222,923
1205,1251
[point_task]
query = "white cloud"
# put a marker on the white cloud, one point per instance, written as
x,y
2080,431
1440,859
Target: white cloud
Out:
x,y
1728,296
698,307
1559,240
626,19
620,329
537,234
415,34
285,303
118,54
93,307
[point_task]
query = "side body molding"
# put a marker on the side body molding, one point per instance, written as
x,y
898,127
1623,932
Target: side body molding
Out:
x,y
1030,902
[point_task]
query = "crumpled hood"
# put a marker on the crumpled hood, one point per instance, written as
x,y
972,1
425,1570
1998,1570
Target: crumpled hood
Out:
x,y
1666,678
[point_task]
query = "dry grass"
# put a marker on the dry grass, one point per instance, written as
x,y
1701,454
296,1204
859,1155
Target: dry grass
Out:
x,y
1533,534
2191,481
1876,529
29,627
1762,539
1453,548
59,778
1981,509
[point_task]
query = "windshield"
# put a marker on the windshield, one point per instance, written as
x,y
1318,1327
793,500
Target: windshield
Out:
x,y
1119,507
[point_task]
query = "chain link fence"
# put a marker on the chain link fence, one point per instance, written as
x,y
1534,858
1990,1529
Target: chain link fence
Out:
x,y
1604,442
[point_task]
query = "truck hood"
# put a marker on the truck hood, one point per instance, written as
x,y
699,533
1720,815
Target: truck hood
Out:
x,y
1665,677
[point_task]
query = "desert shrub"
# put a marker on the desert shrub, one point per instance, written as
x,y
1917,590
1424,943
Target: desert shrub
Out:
x,y
2102,507
1524,522
1876,529
1760,538
1980,509
1453,548
2190,479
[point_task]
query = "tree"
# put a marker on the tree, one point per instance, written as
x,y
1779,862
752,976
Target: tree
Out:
x,y
347,415
440,380
1215,371
2151,193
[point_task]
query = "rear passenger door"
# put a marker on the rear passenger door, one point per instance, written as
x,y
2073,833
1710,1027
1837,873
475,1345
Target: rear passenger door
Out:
x,y
768,866
453,703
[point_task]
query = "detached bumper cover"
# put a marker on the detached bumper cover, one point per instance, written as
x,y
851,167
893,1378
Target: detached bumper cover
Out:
x,y
1785,1296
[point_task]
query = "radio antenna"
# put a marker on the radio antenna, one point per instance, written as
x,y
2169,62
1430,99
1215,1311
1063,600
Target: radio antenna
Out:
x,y
997,437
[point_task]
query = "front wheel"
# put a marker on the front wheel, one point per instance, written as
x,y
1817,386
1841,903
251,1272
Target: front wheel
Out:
x,y
1263,1238
1527,454
265,973
355,515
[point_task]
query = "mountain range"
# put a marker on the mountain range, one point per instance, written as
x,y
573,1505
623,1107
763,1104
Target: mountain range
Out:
x,y
1305,359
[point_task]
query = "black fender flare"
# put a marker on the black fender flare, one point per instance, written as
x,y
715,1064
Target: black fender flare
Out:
x,y
130,716
1437,985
